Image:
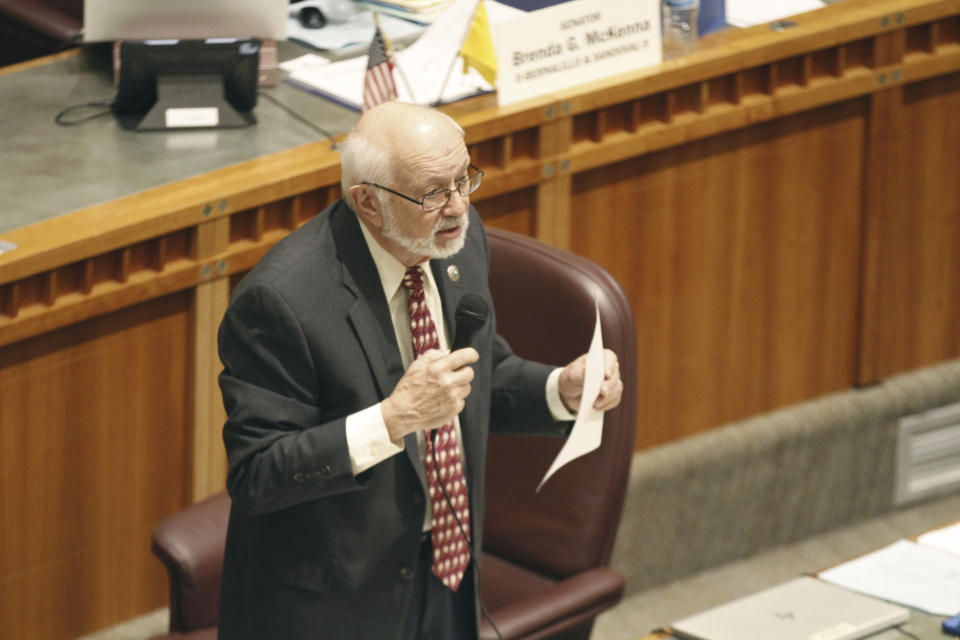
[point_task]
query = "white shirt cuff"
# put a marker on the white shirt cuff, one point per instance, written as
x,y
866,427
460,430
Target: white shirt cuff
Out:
x,y
558,410
368,440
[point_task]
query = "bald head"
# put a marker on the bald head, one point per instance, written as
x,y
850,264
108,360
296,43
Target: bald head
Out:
x,y
391,139
400,126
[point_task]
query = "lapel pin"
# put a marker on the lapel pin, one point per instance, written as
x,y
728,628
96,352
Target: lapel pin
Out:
x,y
453,273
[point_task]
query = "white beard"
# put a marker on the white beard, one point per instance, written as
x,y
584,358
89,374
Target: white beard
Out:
x,y
431,246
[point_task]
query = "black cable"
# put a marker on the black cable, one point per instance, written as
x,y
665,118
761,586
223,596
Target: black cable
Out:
x,y
103,106
467,539
104,111
296,116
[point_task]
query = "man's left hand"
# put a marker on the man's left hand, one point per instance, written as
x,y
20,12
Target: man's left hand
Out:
x,y
571,383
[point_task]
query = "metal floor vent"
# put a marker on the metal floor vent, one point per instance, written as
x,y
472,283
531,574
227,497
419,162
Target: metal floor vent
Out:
x,y
928,454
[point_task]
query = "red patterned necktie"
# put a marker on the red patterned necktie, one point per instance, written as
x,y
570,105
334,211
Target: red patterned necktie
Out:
x,y
451,553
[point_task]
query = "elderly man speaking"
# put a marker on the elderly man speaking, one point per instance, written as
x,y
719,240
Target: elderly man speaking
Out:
x,y
356,439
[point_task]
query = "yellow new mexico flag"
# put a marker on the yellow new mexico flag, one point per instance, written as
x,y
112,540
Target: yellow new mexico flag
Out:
x,y
477,50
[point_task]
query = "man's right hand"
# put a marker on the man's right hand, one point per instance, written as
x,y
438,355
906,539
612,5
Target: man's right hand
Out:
x,y
430,394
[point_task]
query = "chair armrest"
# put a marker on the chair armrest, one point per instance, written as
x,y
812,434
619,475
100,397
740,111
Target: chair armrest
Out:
x,y
42,19
573,600
190,544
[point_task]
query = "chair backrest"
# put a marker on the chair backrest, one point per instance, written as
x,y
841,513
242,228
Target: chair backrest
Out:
x,y
57,19
544,299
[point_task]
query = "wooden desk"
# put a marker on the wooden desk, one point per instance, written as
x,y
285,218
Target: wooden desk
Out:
x,y
782,209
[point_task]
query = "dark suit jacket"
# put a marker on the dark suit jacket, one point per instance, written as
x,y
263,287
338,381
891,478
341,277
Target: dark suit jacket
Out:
x,y
312,550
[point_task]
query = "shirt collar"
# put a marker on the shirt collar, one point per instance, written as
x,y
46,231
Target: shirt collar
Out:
x,y
390,269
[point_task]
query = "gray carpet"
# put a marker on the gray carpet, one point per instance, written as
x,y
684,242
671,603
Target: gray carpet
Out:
x,y
658,606
769,481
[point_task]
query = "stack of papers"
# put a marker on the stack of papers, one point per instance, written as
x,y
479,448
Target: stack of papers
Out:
x,y
430,71
924,575
746,13
420,11
946,539
342,82
342,39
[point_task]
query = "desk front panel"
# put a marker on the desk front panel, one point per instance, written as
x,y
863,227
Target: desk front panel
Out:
x,y
96,422
741,254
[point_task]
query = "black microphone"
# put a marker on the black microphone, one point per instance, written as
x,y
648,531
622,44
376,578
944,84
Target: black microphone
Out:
x,y
471,315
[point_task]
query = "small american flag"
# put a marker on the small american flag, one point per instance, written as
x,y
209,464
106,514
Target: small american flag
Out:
x,y
378,85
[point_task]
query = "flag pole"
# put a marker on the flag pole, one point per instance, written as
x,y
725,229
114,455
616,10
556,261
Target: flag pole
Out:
x,y
456,58
396,63
446,78
478,10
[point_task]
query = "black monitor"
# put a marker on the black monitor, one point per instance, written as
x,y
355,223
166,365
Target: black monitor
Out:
x,y
177,84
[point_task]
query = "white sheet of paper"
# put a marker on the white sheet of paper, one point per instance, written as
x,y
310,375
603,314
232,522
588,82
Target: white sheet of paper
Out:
x,y
746,13
426,64
588,428
906,573
945,539
306,61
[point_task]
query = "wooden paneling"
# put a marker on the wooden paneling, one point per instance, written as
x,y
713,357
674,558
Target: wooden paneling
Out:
x,y
94,430
912,300
740,255
514,211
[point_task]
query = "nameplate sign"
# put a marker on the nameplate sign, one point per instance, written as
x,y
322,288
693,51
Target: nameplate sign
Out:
x,y
572,43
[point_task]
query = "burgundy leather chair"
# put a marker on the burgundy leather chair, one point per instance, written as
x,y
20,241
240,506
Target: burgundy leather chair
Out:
x,y
190,544
31,28
544,569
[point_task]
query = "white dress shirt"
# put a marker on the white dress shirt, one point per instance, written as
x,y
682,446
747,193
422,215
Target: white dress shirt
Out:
x,y
367,437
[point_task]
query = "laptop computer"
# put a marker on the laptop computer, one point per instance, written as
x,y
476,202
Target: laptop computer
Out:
x,y
802,609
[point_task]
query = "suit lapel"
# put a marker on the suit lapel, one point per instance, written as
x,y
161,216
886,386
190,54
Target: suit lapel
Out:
x,y
450,292
369,314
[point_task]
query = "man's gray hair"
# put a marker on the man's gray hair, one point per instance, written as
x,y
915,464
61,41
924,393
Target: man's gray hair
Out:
x,y
362,160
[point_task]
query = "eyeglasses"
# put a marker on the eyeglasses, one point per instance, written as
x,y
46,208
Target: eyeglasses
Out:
x,y
438,198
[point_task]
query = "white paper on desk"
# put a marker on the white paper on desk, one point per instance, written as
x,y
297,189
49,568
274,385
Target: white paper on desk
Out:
x,y
746,13
906,573
343,82
427,72
357,31
306,61
588,428
432,63
946,539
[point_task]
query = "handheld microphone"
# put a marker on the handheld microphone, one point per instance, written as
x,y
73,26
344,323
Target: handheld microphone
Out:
x,y
471,315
